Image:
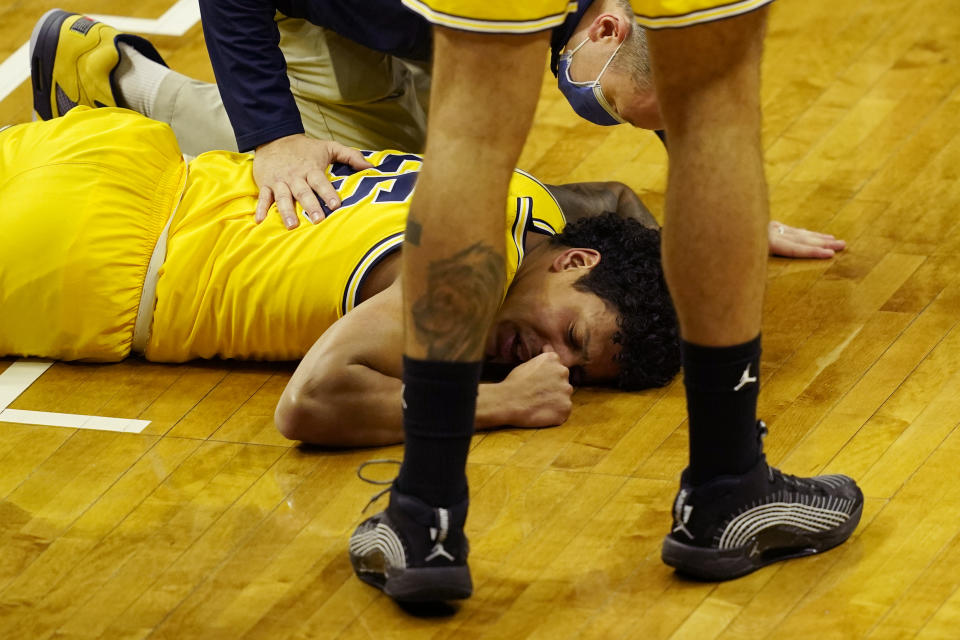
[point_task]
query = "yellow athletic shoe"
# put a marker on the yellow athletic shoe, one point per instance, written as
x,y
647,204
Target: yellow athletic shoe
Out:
x,y
73,60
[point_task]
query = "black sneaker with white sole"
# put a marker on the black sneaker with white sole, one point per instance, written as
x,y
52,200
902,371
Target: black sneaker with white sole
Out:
x,y
414,552
733,525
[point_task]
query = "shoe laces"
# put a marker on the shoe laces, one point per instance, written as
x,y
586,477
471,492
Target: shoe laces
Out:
x,y
794,483
438,534
388,483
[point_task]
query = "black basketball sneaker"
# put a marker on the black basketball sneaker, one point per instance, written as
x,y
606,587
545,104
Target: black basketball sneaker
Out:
x,y
732,525
414,552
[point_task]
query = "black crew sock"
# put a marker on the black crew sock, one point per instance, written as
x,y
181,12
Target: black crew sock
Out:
x,y
722,386
440,401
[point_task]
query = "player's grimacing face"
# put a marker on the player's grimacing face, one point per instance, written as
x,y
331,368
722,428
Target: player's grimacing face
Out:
x,y
579,326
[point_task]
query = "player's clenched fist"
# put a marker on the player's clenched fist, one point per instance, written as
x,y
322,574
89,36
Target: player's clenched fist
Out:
x,y
291,169
542,390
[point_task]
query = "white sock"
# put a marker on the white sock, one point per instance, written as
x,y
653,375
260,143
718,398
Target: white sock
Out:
x,y
138,79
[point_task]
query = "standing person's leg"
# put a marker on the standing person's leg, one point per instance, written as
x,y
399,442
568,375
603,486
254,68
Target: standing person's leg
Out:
x,y
454,277
733,513
454,281
708,80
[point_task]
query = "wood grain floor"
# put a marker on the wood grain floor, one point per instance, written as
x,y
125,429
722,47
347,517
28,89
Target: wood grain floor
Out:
x,y
208,524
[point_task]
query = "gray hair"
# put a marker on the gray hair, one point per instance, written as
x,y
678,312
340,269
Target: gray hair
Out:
x,y
634,56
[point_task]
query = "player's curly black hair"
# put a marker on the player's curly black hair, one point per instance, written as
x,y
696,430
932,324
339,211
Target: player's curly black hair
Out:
x,y
630,277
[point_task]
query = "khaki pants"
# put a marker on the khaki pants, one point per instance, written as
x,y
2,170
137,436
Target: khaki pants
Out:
x,y
345,92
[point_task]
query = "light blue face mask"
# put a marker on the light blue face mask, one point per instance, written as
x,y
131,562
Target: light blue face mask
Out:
x,y
586,98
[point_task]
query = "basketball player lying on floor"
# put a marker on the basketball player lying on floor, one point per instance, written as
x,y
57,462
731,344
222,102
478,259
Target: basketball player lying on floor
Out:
x,y
113,245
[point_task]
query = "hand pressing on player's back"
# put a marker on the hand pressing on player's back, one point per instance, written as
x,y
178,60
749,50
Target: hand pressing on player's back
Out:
x,y
292,169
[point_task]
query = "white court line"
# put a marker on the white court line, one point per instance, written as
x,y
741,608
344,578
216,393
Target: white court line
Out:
x,y
175,22
16,378
73,421
14,70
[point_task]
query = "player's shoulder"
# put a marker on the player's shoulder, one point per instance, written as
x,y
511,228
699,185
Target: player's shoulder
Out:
x,y
532,199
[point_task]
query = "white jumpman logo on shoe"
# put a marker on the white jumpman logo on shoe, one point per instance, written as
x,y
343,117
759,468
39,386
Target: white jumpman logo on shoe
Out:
x,y
438,551
745,379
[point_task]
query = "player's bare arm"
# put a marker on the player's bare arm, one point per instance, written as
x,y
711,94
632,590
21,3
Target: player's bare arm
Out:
x,y
346,390
587,199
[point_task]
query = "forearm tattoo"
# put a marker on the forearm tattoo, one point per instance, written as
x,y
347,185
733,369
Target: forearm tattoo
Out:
x,y
463,292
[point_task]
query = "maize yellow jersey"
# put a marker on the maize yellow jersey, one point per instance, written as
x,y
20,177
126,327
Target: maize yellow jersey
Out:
x,y
89,194
235,289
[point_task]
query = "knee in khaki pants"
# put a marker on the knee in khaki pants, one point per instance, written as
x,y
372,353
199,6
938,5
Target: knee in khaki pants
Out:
x,y
345,92
349,93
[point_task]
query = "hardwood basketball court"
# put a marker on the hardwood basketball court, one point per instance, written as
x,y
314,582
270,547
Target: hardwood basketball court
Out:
x,y
207,523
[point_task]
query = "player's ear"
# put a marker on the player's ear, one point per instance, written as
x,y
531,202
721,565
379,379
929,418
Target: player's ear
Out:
x,y
576,258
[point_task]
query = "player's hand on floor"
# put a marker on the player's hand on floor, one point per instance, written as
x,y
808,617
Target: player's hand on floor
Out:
x,y
291,169
791,242
541,387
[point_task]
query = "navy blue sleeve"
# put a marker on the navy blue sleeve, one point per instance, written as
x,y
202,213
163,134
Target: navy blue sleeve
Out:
x,y
243,42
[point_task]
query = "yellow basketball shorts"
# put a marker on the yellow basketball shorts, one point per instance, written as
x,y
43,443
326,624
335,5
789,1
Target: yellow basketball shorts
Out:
x,y
662,14
509,16
494,16
83,199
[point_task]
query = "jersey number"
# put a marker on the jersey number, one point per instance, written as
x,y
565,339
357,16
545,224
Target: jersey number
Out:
x,y
390,188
